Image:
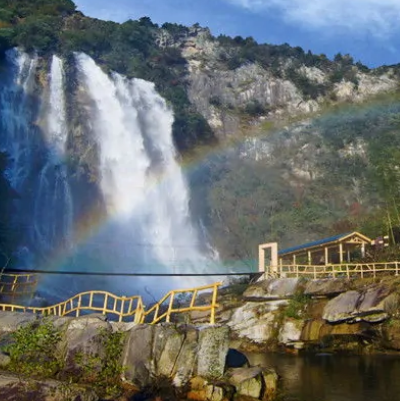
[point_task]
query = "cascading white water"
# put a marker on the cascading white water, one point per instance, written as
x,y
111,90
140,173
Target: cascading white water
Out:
x,y
16,116
128,128
53,216
142,183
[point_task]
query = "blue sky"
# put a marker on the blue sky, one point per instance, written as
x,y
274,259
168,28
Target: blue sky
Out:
x,y
369,30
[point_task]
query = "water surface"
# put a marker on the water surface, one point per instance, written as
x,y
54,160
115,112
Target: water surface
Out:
x,y
335,378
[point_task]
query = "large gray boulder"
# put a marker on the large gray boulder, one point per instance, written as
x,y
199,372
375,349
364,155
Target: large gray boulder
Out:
x,y
254,321
279,288
326,287
137,354
342,307
83,343
255,382
213,348
12,321
371,305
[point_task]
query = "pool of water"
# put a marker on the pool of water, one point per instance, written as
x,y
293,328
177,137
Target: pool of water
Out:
x,y
335,378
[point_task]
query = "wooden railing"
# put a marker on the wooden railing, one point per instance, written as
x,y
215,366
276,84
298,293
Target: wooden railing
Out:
x,y
335,270
124,307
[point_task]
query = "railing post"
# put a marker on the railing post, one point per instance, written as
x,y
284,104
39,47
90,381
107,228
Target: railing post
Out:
x,y
397,269
171,302
192,302
347,271
213,304
78,310
122,308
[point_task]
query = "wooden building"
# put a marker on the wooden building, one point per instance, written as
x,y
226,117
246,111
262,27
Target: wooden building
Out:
x,y
337,249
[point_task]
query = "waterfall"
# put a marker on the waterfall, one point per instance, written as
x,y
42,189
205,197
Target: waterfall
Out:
x,y
16,116
53,215
144,189
146,226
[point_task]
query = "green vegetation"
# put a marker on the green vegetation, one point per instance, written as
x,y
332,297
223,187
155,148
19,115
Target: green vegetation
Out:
x,y
104,372
336,174
33,350
297,305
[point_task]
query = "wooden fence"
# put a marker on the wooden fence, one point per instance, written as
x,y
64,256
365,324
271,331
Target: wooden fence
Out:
x,y
335,270
126,307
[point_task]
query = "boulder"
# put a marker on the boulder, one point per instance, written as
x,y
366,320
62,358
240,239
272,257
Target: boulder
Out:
x,y
212,351
11,321
255,382
137,354
167,344
187,360
342,307
290,332
270,384
326,287
247,381
354,306
82,344
15,388
272,289
254,321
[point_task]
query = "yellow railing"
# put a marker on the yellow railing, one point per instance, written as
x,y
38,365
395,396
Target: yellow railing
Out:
x,y
171,297
16,285
124,307
335,270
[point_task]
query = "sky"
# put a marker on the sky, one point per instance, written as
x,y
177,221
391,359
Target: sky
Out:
x,y
368,30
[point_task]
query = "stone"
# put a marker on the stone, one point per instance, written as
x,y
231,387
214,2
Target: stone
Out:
x,y
215,392
212,351
137,354
15,388
186,362
168,341
247,381
372,299
255,321
272,289
326,287
82,344
311,330
342,307
270,384
11,321
290,332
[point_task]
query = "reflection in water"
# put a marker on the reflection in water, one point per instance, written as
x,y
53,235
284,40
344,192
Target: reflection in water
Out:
x,y
335,378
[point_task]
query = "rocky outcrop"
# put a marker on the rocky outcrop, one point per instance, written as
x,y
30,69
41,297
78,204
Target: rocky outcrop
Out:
x,y
15,388
272,289
91,351
221,94
352,306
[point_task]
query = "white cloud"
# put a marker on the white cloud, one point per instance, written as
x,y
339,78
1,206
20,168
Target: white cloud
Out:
x,y
378,17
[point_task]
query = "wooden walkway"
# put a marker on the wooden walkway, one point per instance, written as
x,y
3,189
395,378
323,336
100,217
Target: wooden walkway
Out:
x,y
131,308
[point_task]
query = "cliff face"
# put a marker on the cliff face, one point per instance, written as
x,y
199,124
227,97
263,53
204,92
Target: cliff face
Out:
x,y
226,97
